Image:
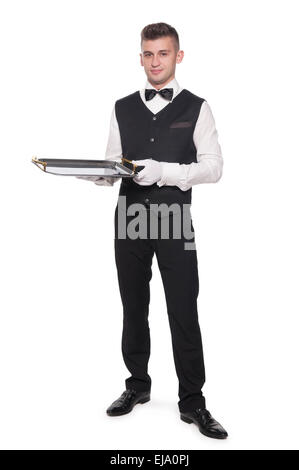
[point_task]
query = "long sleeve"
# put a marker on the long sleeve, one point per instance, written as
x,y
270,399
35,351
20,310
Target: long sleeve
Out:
x,y
209,165
113,149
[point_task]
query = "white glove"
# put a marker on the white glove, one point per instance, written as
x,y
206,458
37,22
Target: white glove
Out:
x,y
99,180
151,172
89,178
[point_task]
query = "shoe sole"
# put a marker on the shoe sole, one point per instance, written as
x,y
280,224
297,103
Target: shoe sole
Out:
x,y
120,413
189,421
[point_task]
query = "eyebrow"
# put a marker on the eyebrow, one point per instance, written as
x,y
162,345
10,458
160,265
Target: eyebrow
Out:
x,y
162,50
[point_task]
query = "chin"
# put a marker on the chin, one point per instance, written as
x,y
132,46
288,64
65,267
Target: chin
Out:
x,y
158,79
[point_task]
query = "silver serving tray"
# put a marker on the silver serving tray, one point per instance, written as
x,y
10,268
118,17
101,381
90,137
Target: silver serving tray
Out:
x,y
78,167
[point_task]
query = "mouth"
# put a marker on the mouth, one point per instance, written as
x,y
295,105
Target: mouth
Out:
x,y
156,71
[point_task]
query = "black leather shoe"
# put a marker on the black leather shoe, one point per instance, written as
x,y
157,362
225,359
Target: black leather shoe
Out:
x,y
205,422
126,402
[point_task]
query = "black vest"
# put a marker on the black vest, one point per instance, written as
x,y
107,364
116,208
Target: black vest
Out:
x,y
166,136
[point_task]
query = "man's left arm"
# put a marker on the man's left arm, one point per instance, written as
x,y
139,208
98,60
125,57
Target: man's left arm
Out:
x,y
209,165
207,169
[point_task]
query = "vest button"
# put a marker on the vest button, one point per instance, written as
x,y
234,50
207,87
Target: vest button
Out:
x,y
146,200
154,118
152,139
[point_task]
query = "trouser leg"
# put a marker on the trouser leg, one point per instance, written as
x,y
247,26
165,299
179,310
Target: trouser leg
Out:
x,y
179,272
133,261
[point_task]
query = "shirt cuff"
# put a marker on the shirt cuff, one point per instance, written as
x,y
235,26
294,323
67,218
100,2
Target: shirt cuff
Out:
x,y
171,173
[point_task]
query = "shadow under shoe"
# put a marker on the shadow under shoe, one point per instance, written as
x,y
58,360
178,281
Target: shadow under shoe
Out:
x,y
205,422
126,402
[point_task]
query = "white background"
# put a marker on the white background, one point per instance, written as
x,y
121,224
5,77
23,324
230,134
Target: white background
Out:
x,y
63,65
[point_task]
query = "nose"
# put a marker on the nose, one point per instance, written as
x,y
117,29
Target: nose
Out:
x,y
155,61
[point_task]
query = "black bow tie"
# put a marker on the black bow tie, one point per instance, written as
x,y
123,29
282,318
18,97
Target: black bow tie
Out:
x,y
166,93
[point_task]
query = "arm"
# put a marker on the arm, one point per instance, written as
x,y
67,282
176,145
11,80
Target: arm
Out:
x,y
113,152
113,149
209,165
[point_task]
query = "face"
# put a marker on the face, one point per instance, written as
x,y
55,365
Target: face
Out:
x,y
159,58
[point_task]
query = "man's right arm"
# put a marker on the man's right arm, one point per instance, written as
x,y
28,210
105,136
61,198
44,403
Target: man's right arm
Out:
x,y
113,149
113,152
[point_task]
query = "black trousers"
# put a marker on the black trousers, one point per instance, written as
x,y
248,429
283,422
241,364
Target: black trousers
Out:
x,y
179,272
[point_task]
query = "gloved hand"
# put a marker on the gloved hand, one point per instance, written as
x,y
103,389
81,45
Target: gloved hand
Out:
x,y
151,172
99,180
89,178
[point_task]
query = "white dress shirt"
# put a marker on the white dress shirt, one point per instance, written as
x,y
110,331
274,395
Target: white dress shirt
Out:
x,y
209,165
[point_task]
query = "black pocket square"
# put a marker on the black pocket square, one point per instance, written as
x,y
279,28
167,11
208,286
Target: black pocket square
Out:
x,y
181,124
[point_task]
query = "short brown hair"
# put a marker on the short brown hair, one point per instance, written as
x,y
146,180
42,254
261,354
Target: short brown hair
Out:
x,y
158,30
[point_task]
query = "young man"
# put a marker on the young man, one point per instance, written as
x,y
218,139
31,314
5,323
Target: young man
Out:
x,y
171,132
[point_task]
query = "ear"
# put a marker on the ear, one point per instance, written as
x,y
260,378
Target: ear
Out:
x,y
141,59
180,56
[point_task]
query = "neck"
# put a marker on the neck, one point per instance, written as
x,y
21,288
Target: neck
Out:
x,y
161,85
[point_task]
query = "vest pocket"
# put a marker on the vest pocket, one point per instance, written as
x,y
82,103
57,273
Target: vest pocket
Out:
x,y
181,124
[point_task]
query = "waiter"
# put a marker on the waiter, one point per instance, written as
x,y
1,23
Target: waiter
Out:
x,y
171,132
